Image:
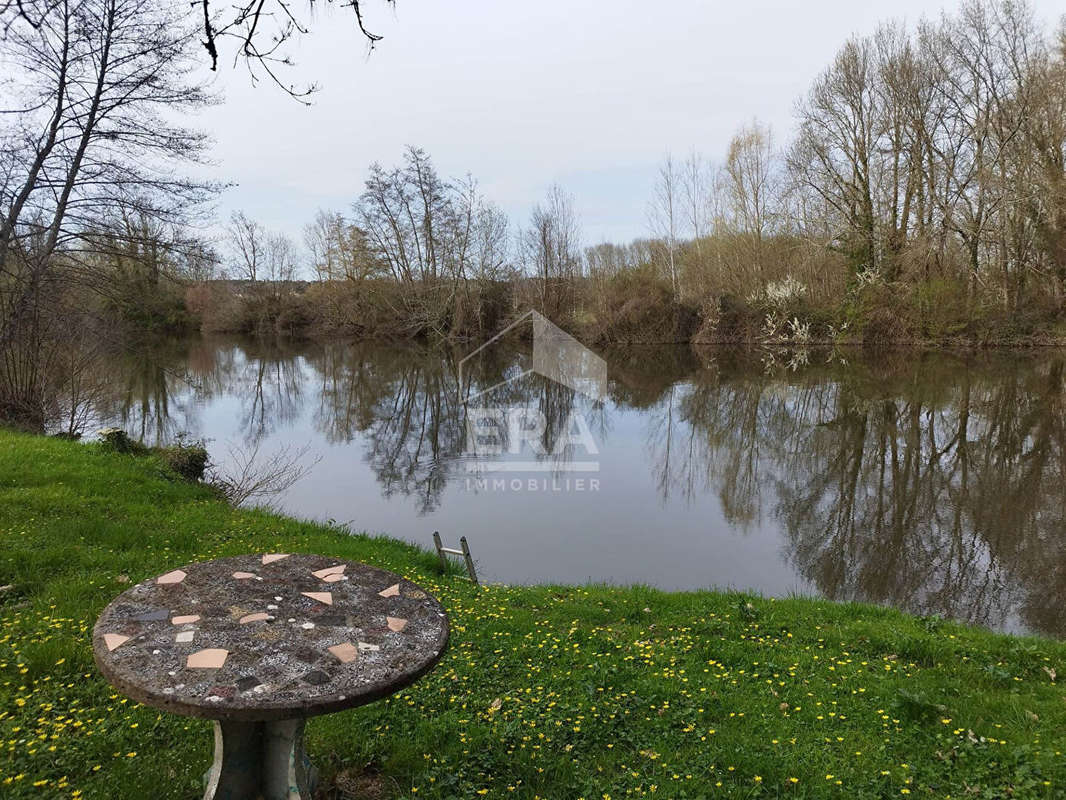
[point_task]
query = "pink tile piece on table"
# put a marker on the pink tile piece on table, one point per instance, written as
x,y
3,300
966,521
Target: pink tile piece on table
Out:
x,y
113,640
259,616
334,570
243,576
270,558
396,624
187,619
345,652
334,578
322,597
392,591
212,658
177,576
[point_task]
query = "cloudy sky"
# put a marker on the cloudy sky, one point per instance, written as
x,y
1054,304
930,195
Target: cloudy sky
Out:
x,y
589,94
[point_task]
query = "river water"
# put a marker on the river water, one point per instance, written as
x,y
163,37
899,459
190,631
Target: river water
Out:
x,y
933,482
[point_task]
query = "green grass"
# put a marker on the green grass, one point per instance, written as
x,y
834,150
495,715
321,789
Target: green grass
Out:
x,y
550,692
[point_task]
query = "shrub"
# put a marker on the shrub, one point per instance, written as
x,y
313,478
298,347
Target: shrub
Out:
x,y
941,308
187,460
781,295
639,307
737,321
118,441
883,327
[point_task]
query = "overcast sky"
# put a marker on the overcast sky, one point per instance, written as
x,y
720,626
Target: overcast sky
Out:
x,y
587,93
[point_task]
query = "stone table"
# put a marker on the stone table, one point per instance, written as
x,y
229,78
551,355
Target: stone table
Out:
x,y
259,643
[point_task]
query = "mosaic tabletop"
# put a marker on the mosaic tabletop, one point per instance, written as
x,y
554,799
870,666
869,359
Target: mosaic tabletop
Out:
x,y
265,637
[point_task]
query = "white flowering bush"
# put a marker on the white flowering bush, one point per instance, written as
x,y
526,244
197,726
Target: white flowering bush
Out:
x,y
781,293
869,276
771,326
799,331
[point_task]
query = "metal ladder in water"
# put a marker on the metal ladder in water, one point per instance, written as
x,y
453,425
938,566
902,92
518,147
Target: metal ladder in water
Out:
x,y
443,551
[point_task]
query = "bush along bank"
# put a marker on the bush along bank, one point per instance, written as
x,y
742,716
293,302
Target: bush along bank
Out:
x,y
632,307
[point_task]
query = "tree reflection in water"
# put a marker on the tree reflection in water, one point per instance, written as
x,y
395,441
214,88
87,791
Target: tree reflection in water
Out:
x,y
930,482
924,482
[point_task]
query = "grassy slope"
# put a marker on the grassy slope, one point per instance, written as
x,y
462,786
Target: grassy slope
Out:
x,y
551,692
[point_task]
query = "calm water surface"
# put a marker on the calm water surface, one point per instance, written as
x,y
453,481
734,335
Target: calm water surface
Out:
x,y
930,482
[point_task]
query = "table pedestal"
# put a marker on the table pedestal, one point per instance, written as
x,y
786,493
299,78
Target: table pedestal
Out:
x,y
264,760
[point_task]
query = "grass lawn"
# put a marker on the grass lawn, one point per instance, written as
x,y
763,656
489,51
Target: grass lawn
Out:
x,y
549,691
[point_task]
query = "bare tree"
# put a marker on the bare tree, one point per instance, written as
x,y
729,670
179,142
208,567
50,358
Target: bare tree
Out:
x,y
247,240
491,246
409,217
697,180
438,239
323,238
1046,133
251,476
665,215
87,132
551,249
282,259
266,260
833,154
750,184
261,30
339,250
751,180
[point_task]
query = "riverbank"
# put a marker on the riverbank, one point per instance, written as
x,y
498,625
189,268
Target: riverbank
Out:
x,y
634,307
550,692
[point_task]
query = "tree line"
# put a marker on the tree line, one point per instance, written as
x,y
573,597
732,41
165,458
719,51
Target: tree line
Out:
x,y
922,196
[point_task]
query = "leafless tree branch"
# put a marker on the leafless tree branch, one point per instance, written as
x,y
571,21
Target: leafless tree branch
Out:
x,y
252,476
